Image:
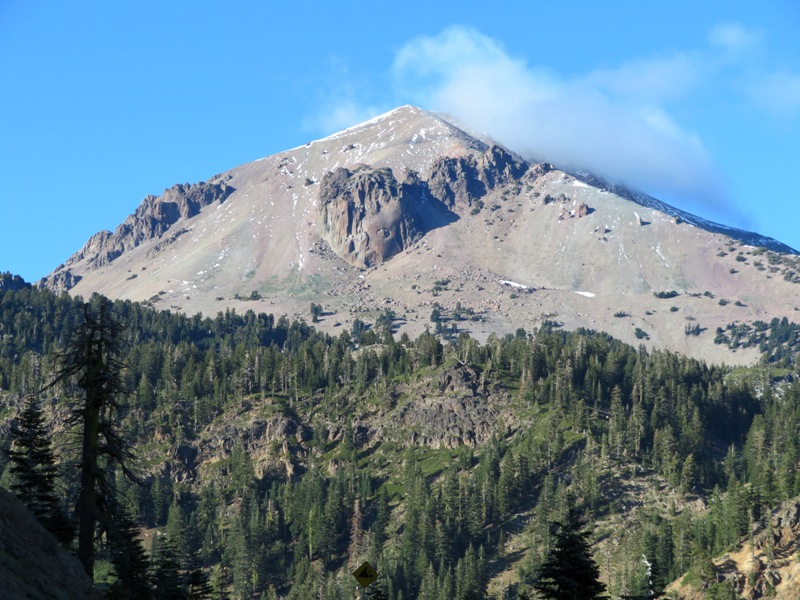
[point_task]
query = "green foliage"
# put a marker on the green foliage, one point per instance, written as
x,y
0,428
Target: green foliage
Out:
x,y
693,329
569,571
93,361
316,312
778,340
585,406
33,466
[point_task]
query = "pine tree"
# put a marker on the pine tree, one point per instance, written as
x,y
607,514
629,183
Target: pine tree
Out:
x,y
33,465
129,560
569,571
94,358
166,572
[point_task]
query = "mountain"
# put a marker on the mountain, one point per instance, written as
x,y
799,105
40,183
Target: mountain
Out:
x,y
413,213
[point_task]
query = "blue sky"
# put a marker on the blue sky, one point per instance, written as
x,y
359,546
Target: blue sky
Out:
x,y
105,102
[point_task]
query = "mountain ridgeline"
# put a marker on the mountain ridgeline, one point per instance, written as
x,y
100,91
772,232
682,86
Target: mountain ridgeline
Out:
x,y
380,214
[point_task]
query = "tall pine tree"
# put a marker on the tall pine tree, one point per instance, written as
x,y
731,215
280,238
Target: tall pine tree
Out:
x,y
94,359
569,571
34,468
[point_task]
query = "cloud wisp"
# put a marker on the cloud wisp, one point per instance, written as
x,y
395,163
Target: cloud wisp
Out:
x,y
609,122
615,122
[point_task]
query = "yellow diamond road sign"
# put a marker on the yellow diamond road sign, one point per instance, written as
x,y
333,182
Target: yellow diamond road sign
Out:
x,y
365,574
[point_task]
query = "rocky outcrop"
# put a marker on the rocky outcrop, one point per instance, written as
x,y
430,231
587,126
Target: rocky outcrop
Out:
x,y
367,216
447,422
154,217
766,569
454,182
34,565
270,443
497,167
454,409
459,182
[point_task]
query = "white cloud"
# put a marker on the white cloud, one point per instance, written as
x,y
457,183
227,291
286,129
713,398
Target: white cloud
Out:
x,y
733,38
651,79
778,93
618,122
607,122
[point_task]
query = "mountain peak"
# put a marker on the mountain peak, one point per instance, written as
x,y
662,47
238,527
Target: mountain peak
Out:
x,y
407,137
390,212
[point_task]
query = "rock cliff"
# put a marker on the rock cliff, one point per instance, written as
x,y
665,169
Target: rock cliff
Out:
x,y
461,181
766,566
367,216
32,563
152,219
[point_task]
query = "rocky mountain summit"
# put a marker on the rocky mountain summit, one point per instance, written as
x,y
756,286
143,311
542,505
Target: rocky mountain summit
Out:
x,y
412,213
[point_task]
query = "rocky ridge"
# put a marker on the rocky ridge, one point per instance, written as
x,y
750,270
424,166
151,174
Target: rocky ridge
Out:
x,y
154,217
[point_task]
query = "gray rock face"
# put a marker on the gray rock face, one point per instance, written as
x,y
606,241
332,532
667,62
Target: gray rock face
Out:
x,y
155,215
460,182
448,422
152,219
34,565
454,181
367,216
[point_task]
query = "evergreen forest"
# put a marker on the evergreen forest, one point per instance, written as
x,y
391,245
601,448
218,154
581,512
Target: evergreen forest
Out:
x,y
246,456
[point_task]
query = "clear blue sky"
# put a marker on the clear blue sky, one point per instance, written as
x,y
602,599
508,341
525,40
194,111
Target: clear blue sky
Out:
x,y
102,103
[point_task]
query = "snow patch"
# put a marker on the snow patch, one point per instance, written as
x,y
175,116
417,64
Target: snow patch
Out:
x,y
513,284
658,251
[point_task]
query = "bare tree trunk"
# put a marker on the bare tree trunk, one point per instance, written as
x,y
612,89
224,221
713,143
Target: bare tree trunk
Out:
x,y
87,499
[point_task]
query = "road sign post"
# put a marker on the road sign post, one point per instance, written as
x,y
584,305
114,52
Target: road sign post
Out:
x,y
365,575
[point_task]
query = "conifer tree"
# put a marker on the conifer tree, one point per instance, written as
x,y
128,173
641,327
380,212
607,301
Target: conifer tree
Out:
x,y
166,571
569,571
129,560
94,359
33,465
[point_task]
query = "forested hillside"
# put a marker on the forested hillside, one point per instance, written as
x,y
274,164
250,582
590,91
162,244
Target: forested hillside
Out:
x,y
273,459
